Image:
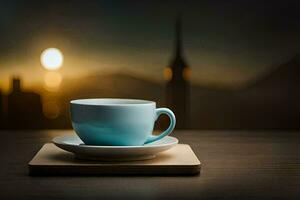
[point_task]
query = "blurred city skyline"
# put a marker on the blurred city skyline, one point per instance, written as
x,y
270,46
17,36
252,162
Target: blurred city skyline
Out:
x,y
229,65
227,43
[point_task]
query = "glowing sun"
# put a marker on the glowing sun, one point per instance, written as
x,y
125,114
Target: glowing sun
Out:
x,y
52,58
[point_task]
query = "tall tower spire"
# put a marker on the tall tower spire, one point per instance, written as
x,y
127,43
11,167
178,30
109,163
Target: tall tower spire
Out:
x,y
177,75
178,38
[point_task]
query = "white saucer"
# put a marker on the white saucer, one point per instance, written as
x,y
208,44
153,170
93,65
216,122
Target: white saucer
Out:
x,y
72,143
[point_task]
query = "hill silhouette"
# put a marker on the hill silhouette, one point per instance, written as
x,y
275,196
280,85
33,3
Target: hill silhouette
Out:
x,y
112,85
280,76
272,101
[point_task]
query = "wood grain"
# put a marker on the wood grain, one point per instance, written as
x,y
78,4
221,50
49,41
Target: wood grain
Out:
x,y
51,160
234,165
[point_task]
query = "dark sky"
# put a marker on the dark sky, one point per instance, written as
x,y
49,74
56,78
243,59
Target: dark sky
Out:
x,y
225,42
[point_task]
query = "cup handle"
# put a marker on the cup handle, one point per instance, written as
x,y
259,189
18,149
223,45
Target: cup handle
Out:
x,y
160,111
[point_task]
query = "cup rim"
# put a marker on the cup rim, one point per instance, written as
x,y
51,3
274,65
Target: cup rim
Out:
x,y
113,102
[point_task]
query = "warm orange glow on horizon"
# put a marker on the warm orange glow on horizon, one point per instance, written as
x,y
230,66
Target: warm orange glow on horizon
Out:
x,y
52,80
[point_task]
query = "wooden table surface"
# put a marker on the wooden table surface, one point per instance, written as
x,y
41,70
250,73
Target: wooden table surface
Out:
x,y
235,165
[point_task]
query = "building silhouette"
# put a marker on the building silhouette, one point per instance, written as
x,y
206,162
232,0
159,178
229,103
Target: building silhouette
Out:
x,y
178,88
1,110
24,109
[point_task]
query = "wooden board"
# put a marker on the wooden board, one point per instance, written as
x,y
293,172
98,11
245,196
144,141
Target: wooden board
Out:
x,y
51,160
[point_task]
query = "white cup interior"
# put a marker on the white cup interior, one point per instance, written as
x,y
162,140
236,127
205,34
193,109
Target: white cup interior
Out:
x,y
110,101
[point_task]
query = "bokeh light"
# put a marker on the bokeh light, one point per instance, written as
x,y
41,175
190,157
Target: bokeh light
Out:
x,y
52,58
186,74
52,80
51,109
168,74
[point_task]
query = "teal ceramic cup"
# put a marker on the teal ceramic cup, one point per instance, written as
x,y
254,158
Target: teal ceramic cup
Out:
x,y
117,122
